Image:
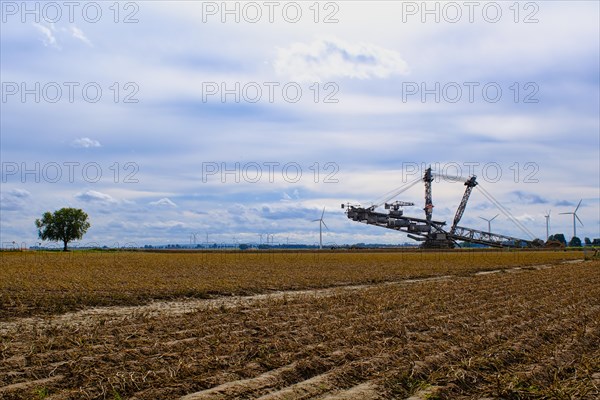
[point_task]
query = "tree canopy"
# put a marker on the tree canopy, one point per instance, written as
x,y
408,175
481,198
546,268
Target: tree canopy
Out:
x,y
64,225
559,237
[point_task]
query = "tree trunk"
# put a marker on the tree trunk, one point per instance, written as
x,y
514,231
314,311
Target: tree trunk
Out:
x,y
65,247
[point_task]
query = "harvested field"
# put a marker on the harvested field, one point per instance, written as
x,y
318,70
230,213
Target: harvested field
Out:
x,y
523,330
34,283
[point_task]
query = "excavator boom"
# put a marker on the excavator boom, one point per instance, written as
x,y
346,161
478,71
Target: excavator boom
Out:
x,y
427,230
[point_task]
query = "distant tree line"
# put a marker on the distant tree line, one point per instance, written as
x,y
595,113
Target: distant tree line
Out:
x,y
574,242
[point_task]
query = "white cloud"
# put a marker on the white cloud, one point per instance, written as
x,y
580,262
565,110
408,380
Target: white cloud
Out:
x,y
163,202
92,196
78,34
525,218
332,58
294,196
164,225
14,199
521,126
48,33
19,193
86,142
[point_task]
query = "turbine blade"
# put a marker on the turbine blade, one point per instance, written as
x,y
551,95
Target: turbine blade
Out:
x,y
578,219
483,218
494,217
323,213
315,220
564,213
325,224
578,205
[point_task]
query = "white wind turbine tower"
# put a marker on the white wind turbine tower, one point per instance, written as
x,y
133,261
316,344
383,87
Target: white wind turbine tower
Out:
x,y
489,221
547,216
321,223
575,217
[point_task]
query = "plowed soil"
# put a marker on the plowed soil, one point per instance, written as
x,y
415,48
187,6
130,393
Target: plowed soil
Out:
x,y
529,331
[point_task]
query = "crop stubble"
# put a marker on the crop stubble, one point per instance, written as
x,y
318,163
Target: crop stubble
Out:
x,y
52,282
519,333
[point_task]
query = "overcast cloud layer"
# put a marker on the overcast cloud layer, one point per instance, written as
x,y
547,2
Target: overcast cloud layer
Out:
x,y
167,119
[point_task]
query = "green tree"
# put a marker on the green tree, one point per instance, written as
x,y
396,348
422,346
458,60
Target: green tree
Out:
x,y
575,242
587,241
537,243
561,238
64,225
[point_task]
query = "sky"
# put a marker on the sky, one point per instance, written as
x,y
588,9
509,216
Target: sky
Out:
x,y
233,120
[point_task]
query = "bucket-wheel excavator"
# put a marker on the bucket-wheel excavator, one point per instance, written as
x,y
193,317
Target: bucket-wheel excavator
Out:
x,y
432,233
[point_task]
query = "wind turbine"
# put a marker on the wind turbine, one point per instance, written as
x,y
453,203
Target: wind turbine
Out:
x,y
547,216
575,217
194,238
489,221
321,223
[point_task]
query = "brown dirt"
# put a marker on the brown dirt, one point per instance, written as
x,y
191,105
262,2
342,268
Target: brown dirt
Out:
x,y
531,333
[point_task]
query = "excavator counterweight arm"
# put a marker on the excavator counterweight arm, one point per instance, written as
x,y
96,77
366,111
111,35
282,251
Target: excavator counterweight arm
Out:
x,y
470,184
428,178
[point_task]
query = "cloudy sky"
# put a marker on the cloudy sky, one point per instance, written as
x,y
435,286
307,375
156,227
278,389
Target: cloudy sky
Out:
x,y
163,119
